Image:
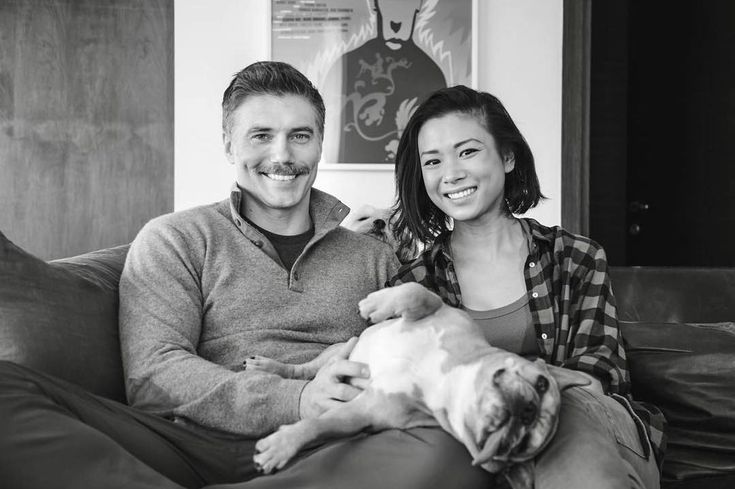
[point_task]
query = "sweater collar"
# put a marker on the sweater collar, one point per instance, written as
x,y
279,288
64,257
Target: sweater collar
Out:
x,y
326,211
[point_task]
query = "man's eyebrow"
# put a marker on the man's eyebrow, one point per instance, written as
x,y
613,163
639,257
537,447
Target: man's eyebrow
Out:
x,y
260,129
455,146
308,129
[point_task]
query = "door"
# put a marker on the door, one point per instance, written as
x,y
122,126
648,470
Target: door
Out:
x,y
678,164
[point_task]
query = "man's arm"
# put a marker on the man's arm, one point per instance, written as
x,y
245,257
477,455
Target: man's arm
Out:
x,y
161,309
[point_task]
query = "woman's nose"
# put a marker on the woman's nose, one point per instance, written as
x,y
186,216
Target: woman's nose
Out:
x,y
453,173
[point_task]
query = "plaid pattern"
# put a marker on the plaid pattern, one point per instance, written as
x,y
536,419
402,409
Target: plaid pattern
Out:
x,y
572,305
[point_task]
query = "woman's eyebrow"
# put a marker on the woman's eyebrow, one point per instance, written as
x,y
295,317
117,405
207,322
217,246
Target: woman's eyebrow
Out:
x,y
455,146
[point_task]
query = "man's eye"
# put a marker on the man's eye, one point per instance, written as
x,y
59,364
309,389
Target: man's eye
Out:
x,y
302,137
260,137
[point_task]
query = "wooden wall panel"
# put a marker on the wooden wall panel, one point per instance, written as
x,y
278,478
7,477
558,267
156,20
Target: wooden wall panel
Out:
x,y
86,121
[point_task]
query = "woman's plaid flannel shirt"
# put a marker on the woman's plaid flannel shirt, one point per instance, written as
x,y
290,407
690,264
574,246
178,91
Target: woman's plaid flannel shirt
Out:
x,y
572,305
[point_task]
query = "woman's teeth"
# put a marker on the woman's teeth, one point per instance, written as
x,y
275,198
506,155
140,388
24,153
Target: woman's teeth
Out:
x,y
463,193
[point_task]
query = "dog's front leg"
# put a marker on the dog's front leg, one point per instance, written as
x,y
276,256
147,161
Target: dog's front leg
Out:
x,y
305,371
274,451
411,300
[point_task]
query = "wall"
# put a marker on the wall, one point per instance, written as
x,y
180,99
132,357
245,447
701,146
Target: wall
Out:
x,y
520,58
86,121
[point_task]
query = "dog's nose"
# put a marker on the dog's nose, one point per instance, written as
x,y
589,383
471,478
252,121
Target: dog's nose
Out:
x,y
379,224
542,384
528,415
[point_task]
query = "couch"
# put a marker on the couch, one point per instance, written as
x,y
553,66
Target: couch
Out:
x,y
60,317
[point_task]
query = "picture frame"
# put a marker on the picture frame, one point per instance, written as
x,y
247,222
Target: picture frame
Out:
x,y
374,61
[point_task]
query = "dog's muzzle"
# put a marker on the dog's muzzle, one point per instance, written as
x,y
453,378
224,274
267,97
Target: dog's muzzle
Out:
x,y
510,438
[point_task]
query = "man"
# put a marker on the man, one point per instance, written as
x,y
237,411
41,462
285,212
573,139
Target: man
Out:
x,y
269,272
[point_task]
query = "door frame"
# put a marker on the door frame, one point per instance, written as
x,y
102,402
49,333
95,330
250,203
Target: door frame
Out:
x,y
575,130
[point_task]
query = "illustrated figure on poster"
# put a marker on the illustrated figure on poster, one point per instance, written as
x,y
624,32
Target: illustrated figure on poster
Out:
x,y
382,81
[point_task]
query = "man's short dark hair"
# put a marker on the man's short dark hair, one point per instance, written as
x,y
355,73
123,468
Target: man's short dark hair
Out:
x,y
270,78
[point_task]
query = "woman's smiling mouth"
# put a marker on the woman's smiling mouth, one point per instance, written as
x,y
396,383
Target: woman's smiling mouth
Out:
x,y
461,194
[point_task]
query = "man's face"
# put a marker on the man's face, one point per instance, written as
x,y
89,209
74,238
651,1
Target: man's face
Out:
x,y
275,144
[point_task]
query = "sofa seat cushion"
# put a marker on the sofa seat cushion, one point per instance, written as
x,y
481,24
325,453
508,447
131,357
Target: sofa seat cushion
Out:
x,y
60,317
688,370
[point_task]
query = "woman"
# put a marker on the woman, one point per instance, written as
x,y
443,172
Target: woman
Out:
x,y
462,171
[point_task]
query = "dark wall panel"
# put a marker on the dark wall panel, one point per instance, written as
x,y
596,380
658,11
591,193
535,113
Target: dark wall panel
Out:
x,y
86,121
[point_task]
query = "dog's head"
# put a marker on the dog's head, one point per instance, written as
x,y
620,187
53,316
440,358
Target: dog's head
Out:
x,y
516,411
376,222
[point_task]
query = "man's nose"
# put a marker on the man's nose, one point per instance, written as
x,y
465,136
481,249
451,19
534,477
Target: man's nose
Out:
x,y
280,151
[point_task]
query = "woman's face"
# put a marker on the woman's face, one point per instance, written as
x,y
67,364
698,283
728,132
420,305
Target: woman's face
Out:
x,y
463,172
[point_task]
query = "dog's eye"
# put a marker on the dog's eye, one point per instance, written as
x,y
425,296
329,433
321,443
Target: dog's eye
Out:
x,y
542,384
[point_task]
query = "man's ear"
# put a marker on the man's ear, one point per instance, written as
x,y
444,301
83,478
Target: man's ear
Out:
x,y
227,140
509,162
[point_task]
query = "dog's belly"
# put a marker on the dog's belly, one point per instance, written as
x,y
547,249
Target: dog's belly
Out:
x,y
388,348
414,360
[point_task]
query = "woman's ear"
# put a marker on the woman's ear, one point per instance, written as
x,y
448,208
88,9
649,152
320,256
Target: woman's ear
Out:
x,y
509,162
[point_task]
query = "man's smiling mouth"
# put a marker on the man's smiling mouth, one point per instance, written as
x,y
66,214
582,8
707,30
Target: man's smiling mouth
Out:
x,y
461,194
280,177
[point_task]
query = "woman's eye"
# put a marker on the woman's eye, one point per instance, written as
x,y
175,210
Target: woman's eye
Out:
x,y
430,162
467,152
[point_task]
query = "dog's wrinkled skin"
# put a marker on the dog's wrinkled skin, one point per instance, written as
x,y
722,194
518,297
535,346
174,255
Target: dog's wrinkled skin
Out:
x,y
431,365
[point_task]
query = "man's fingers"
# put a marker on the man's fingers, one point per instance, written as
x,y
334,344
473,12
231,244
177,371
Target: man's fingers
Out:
x,y
347,368
361,384
347,347
345,392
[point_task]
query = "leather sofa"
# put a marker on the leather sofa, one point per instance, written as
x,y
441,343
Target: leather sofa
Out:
x,y
679,328
61,317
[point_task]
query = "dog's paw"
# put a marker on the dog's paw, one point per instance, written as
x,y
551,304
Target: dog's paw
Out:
x,y
410,300
273,452
264,364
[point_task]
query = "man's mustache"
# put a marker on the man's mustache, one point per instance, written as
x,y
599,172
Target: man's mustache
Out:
x,y
287,169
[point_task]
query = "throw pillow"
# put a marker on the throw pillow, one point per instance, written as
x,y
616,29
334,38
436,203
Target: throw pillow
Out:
x,y
60,317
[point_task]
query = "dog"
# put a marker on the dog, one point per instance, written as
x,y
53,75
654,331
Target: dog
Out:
x,y
377,222
431,365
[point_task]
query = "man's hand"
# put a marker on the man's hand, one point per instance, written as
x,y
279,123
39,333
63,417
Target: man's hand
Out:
x,y
339,380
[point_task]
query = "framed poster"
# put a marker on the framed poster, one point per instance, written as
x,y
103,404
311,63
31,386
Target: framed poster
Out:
x,y
374,62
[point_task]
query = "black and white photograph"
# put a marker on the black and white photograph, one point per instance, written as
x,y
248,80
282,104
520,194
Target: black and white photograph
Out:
x,y
367,244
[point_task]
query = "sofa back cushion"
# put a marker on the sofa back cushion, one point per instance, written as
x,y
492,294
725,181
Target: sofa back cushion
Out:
x,y
688,371
60,317
674,294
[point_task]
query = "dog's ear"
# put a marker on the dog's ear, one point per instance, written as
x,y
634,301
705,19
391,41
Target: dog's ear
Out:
x,y
566,378
489,450
521,475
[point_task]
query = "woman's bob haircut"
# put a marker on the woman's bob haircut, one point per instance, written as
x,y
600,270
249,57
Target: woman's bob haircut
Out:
x,y
415,217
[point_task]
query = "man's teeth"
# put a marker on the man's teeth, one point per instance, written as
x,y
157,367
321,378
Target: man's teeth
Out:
x,y
280,177
463,193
